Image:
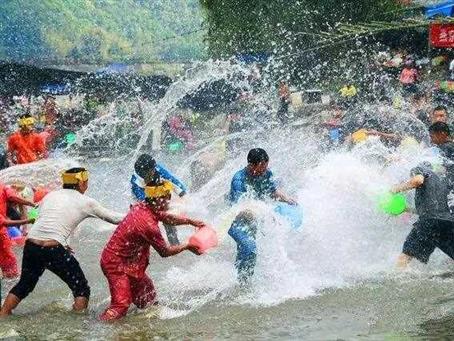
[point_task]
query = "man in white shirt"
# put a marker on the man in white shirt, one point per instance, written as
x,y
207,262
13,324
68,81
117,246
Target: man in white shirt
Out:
x,y
47,245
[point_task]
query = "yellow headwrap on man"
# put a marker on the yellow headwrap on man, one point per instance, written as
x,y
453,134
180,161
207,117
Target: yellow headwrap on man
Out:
x,y
159,191
74,178
26,121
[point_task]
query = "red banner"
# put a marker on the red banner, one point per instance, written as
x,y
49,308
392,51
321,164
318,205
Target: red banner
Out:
x,y
442,35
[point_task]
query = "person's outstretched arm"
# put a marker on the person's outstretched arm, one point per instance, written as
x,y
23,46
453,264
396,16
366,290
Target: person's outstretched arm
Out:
x,y
98,211
18,200
176,249
281,196
8,222
276,193
175,220
413,183
388,136
156,240
14,198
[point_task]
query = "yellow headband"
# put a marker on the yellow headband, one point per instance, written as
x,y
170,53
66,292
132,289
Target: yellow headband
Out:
x,y
359,136
160,191
74,178
27,121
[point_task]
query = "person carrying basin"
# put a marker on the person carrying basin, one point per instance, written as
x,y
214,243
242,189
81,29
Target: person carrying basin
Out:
x,y
435,225
47,244
254,181
126,256
146,169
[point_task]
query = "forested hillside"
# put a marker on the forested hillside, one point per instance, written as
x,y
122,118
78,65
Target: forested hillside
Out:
x,y
96,31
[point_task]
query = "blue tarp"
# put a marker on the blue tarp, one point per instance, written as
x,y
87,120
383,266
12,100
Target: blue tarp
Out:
x,y
445,9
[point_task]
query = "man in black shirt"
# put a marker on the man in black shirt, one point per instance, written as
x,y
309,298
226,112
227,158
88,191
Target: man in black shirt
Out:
x,y
440,136
435,226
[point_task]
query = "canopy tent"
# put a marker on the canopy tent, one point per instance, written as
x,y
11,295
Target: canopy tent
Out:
x,y
19,79
445,9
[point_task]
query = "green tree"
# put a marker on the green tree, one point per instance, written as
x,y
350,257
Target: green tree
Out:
x,y
238,26
99,30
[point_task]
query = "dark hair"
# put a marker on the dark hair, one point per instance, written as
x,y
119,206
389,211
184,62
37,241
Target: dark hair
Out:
x,y
257,155
72,171
25,116
72,186
439,108
439,127
155,181
144,165
76,170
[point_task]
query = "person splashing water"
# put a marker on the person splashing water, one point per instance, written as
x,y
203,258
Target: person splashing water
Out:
x,y
47,245
256,180
126,255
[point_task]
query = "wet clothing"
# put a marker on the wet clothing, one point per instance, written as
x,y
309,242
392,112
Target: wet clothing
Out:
x,y
63,210
125,290
431,198
428,234
6,193
56,259
126,257
447,151
244,184
26,148
243,231
60,213
138,184
435,226
137,188
8,261
244,228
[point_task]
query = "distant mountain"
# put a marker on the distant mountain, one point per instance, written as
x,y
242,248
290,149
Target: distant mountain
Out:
x,y
99,31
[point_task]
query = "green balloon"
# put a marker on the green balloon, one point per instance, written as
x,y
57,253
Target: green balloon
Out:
x,y
176,146
70,138
33,213
394,204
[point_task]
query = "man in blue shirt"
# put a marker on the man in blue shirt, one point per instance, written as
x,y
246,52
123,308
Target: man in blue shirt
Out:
x,y
255,181
146,169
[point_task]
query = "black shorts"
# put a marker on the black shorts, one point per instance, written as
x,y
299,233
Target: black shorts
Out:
x,y
58,260
428,234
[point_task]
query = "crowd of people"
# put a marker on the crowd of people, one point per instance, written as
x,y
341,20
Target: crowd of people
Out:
x,y
125,257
